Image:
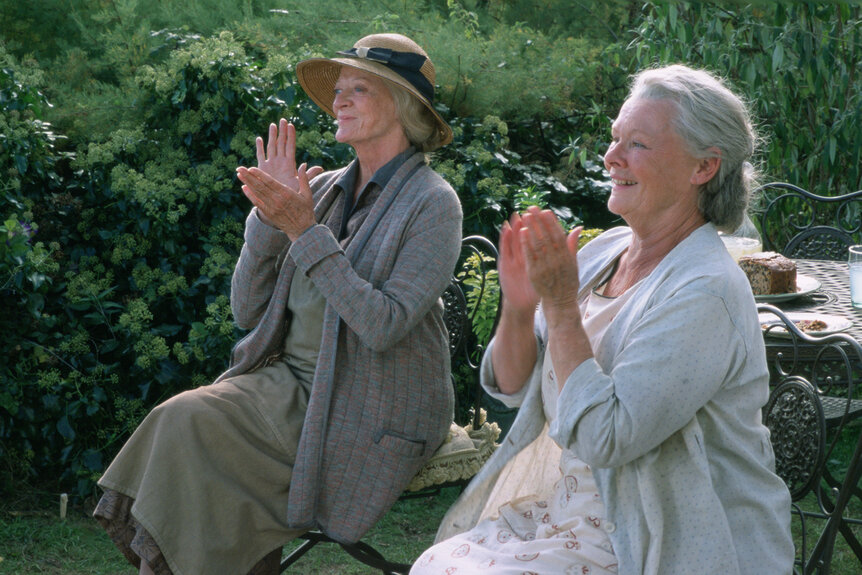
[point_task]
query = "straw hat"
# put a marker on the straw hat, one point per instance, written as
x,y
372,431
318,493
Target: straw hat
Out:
x,y
393,57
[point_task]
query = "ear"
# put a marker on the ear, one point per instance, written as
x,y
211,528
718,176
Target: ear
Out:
x,y
707,168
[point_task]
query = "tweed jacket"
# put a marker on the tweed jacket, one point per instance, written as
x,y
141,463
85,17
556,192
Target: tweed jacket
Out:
x,y
667,414
381,399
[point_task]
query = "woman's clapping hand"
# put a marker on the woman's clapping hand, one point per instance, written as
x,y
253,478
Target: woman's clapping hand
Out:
x,y
279,189
550,258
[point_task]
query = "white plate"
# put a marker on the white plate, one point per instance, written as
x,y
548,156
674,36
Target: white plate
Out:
x,y
804,286
834,323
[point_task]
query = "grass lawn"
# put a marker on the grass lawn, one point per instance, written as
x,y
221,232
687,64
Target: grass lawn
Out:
x,y
36,541
844,562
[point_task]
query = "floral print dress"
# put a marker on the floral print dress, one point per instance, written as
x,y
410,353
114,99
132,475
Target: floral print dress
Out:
x,y
559,528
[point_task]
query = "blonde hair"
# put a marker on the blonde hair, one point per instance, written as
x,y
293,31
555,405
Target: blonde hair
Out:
x,y
419,123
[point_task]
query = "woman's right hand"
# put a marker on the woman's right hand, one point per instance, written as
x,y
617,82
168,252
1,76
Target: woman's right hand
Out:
x,y
512,269
278,158
514,351
279,189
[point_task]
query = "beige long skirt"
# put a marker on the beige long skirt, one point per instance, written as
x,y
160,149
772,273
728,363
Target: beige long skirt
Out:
x,y
209,472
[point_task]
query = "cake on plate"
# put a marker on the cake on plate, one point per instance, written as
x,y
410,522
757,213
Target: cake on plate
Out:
x,y
769,273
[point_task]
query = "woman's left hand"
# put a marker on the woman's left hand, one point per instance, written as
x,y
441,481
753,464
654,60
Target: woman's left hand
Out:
x,y
291,211
551,258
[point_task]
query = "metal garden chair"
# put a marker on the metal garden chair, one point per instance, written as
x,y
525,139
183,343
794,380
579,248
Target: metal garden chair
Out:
x,y
811,404
800,224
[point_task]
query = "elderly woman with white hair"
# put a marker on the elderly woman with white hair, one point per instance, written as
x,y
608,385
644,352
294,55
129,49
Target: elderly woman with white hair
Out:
x,y
639,368
341,390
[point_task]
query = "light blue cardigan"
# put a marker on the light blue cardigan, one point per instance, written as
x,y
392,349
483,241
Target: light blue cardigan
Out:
x,y
668,416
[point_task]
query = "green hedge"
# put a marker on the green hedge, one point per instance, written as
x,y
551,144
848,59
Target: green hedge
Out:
x,y
128,305
122,218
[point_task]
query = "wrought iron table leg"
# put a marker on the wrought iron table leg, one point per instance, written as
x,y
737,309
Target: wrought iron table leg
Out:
x,y
821,555
828,506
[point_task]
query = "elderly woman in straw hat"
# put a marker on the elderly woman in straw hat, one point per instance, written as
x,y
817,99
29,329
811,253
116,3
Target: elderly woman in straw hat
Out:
x,y
341,390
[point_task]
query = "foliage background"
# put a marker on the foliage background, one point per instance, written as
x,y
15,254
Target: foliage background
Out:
x,y
121,123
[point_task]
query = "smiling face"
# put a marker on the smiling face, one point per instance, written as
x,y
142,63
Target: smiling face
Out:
x,y
364,110
653,176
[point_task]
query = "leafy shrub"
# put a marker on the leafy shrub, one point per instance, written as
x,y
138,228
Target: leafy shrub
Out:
x,y
29,183
487,66
117,258
139,306
600,21
28,152
492,180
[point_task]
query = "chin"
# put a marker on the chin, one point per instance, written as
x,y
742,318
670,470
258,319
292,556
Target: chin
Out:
x,y
613,206
343,131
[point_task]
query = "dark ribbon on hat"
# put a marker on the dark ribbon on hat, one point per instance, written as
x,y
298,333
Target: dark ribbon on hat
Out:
x,y
405,64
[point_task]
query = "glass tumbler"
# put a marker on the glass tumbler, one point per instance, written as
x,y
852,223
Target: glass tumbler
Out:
x,y
854,262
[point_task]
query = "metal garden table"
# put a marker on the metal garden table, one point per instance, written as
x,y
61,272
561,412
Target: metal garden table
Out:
x,y
839,487
832,298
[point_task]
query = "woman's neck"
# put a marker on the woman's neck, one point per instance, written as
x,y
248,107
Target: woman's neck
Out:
x,y
374,156
646,250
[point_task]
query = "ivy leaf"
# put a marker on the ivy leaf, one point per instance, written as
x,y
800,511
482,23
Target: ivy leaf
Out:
x,y
65,429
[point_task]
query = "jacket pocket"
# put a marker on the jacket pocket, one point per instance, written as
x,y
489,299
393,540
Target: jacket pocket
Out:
x,y
399,443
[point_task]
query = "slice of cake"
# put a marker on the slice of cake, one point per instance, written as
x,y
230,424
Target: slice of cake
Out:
x,y
769,273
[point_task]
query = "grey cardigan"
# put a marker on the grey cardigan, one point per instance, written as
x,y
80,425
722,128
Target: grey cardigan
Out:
x,y
667,414
381,399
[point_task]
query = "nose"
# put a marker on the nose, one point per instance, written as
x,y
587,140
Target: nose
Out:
x,y
340,100
612,156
